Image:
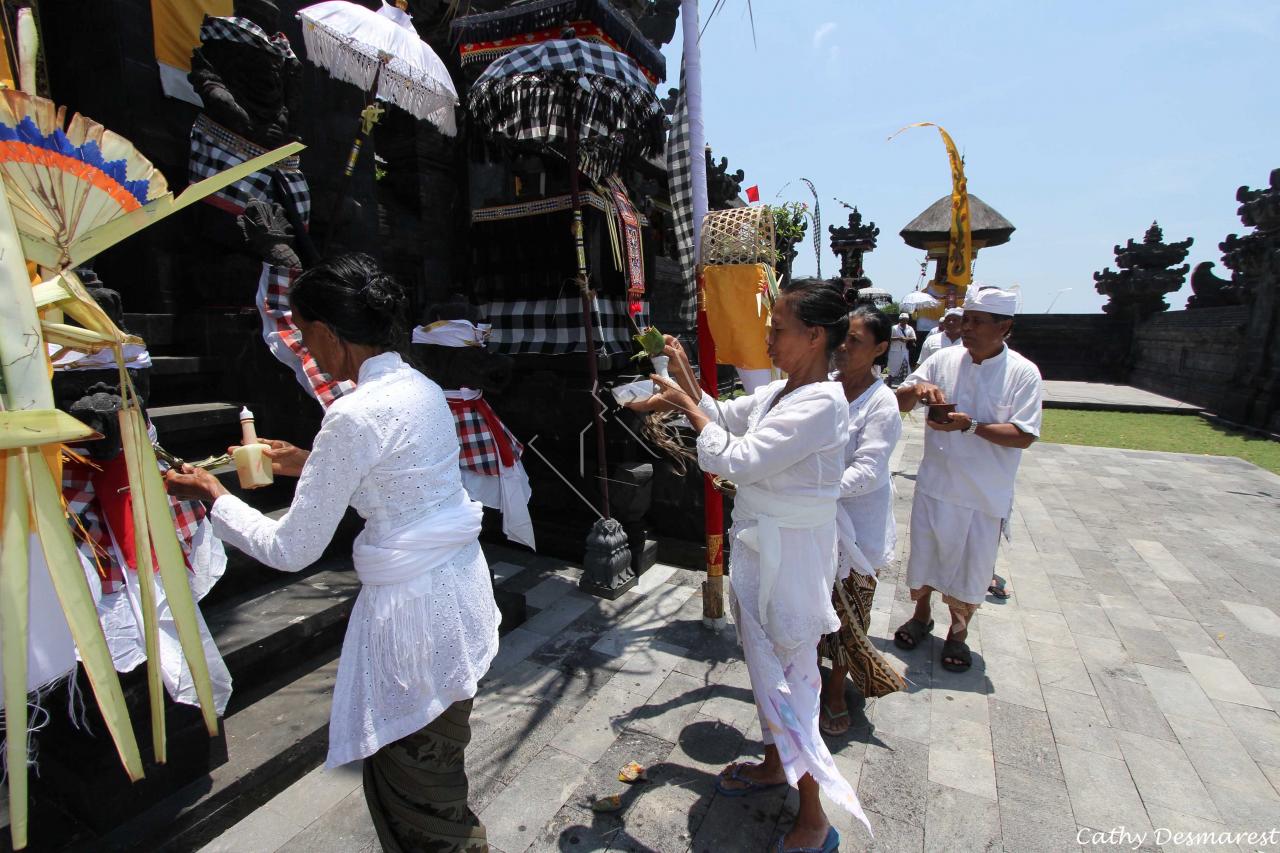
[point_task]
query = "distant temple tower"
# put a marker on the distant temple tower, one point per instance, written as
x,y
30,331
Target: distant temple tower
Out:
x,y
849,243
931,231
1146,273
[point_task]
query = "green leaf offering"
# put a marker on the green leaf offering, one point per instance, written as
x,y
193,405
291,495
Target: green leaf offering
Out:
x,y
651,342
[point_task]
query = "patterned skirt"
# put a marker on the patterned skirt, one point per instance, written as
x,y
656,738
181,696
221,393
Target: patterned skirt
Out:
x,y
416,789
850,647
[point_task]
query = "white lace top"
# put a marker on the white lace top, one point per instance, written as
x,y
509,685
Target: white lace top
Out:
x,y
795,449
414,647
866,487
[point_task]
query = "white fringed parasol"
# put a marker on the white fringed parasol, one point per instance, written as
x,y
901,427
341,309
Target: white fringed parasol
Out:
x,y
381,48
916,300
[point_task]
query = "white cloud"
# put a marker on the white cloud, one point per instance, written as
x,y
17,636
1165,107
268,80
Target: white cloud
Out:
x,y
820,34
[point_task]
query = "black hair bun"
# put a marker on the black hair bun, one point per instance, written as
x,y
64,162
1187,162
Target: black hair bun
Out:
x,y
383,294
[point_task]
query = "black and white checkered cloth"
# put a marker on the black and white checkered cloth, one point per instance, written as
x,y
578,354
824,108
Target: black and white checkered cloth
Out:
x,y
680,187
528,94
244,31
554,326
215,149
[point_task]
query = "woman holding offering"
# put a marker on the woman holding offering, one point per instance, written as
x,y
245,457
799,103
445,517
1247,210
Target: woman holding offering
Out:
x,y
784,449
424,627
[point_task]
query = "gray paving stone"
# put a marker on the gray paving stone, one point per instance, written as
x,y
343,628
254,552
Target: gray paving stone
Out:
x,y
670,707
903,715
1220,760
1222,679
1126,610
1130,707
345,828
1177,692
1164,775
1023,738
1248,812
894,780
1024,829
1106,657
595,728
1169,823
1101,790
1062,668
514,818
1186,635
1260,620
559,614
956,820
1080,721
1013,680
1257,729
1089,620
1163,563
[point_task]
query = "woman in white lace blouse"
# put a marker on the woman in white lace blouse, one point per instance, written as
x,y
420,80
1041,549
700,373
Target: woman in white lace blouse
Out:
x,y
424,627
783,447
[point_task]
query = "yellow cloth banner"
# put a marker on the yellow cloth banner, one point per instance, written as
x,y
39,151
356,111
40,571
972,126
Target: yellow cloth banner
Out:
x,y
176,25
6,70
739,323
960,246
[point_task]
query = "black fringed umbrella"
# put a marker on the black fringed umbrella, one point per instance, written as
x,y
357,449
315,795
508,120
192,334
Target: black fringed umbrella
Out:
x,y
594,105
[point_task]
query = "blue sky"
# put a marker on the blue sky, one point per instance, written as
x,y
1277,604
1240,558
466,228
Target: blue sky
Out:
x,y
1080,122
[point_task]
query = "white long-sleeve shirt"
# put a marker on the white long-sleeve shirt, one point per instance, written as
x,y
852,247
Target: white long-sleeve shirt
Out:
x,y
933,343
866,487
389,449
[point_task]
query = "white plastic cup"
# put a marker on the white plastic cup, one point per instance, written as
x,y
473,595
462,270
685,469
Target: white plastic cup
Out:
x,y
660,368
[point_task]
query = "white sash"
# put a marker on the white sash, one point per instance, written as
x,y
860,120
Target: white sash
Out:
x,y
762,515
416,549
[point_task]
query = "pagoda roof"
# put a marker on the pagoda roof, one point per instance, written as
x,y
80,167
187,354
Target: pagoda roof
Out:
x,y
987,226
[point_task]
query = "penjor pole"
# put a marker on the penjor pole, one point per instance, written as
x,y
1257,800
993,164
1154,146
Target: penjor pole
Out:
x,y
713,508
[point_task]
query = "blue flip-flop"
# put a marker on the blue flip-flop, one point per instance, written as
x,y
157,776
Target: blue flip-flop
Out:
x,y
752,786
830,844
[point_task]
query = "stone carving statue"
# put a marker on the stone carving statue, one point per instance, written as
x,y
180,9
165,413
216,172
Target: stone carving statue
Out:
x,y
249,81
722,185
849,243
1146,273
1209,291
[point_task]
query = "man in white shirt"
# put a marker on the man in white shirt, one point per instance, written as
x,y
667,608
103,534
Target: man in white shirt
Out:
x,y
947,334
901,337
964,489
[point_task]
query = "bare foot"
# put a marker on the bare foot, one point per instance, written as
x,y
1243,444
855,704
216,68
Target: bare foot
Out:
x,y
806,836
746,774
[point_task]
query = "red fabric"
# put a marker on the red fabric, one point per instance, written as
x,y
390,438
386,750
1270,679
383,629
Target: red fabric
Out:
x,y
753,193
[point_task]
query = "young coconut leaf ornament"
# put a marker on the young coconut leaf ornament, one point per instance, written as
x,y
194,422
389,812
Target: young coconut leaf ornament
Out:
x,y
70,190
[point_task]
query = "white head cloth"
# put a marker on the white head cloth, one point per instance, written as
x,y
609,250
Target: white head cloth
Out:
x,y
453,333
904,316
993,300
953,312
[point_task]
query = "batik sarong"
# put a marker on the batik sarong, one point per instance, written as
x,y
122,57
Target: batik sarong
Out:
x,y
850,647
416,789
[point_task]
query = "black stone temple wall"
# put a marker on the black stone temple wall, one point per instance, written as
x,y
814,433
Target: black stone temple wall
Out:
x,y
1191,355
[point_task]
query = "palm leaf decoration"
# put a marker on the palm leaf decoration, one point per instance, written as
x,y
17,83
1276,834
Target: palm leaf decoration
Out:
x,y
70,190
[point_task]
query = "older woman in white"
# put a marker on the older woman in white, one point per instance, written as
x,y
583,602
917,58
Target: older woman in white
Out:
x,y
424,627
783,447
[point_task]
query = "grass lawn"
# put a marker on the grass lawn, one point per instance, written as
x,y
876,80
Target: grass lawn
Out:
x,y
1170,433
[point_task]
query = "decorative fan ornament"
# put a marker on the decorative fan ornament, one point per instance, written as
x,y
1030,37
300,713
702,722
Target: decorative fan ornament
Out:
x,y
70,190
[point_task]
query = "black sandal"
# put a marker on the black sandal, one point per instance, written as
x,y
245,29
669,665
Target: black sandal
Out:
x,y
956,650
909,635
998,588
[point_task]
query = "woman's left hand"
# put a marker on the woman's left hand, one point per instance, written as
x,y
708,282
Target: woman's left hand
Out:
x,y
669,398
193,484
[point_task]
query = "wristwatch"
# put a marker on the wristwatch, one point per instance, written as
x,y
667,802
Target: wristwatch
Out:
x,y
972,427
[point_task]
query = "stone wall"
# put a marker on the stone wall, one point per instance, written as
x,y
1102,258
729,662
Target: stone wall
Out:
x,y
1075,347
1192,355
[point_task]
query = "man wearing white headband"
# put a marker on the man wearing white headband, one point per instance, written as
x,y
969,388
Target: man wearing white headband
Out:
x,y
964,489
947,334
901,337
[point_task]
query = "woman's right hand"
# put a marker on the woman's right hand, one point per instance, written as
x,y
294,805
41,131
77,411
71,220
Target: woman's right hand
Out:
x,y
286,460
679,369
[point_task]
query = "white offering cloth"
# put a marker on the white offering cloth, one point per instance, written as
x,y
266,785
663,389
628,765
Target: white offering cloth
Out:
x,y
787,462
865,525
389,449
966,469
